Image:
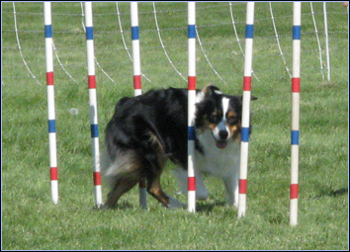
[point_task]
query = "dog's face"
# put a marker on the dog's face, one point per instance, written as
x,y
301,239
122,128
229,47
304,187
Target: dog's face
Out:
x,y
220,113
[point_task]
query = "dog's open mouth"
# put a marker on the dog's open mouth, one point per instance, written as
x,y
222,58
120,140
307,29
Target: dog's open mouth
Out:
x,y
221,144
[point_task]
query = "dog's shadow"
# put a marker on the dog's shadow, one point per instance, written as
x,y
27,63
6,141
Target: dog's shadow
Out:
x,y
207,207
124,205
201,207
333,193
339,192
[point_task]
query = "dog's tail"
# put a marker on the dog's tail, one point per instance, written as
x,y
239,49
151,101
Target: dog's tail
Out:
x,y
150,153
126,162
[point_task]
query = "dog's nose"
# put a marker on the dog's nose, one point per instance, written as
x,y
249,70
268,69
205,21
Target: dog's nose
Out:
x,y
223,134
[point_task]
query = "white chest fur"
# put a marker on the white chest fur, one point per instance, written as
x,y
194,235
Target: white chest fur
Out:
x,y
218,162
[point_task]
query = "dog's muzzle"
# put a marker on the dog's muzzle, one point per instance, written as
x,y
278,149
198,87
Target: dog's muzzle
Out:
x,y
221,144
221,137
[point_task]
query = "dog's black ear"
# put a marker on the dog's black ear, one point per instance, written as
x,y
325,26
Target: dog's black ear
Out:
x,y
252,98
211,89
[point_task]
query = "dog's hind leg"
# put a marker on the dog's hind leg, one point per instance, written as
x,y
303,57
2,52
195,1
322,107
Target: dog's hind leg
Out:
x,y
122,185
154,188
155,159
121,175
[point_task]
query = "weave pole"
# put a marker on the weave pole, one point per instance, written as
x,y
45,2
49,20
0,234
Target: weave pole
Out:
x,y
247,80
51,102
327,41
137,79
295,114
93,103
191,105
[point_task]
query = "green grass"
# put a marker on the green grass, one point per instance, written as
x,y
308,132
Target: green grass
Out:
x,y
31,222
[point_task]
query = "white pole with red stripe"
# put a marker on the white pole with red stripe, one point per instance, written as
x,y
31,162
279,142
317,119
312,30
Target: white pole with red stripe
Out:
x,y
136,48
246,109
93,104
51,102
191,105
295,114
136,55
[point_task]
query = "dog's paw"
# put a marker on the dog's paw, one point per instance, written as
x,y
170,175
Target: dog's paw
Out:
x,y
104,207
174,203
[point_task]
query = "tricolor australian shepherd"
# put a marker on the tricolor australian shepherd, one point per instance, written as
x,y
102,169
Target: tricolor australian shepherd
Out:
x,y
147,130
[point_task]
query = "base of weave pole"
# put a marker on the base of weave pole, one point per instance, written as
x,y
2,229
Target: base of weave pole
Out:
x,y
142,194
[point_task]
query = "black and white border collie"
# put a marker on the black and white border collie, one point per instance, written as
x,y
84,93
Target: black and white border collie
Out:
x,y
147,130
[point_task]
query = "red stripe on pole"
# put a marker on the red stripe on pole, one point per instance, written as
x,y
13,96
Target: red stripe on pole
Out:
x,y
53,173
97,178
247,83
191,82
296,85
192,183
137,82
49,78
92,81
243,186
294,188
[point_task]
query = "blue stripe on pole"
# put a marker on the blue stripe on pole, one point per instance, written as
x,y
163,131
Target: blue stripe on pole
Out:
x,y
295,137
245,134
94,130
89,33
297,32
249,31
135,33
191,31
191,133
48,31
52,126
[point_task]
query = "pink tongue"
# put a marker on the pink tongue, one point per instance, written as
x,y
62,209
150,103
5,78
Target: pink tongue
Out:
x,y
221,144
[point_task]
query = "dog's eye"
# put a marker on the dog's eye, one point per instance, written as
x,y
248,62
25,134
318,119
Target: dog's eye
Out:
x,y
232,120
214,118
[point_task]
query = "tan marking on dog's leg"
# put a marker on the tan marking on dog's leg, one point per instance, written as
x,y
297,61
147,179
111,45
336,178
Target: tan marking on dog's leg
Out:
x,y
154,188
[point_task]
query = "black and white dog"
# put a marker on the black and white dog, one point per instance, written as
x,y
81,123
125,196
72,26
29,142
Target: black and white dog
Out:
x,y
147,130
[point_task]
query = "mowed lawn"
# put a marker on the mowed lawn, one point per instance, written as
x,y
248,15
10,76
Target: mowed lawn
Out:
x,y
30,221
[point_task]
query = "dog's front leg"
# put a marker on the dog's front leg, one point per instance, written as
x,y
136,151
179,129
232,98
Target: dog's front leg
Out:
x,y
231,186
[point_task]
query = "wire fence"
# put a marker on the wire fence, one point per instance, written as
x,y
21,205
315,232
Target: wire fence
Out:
x,y
156,13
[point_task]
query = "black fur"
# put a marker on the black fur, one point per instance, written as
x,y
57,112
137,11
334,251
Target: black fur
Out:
x,y
147,130
162,113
